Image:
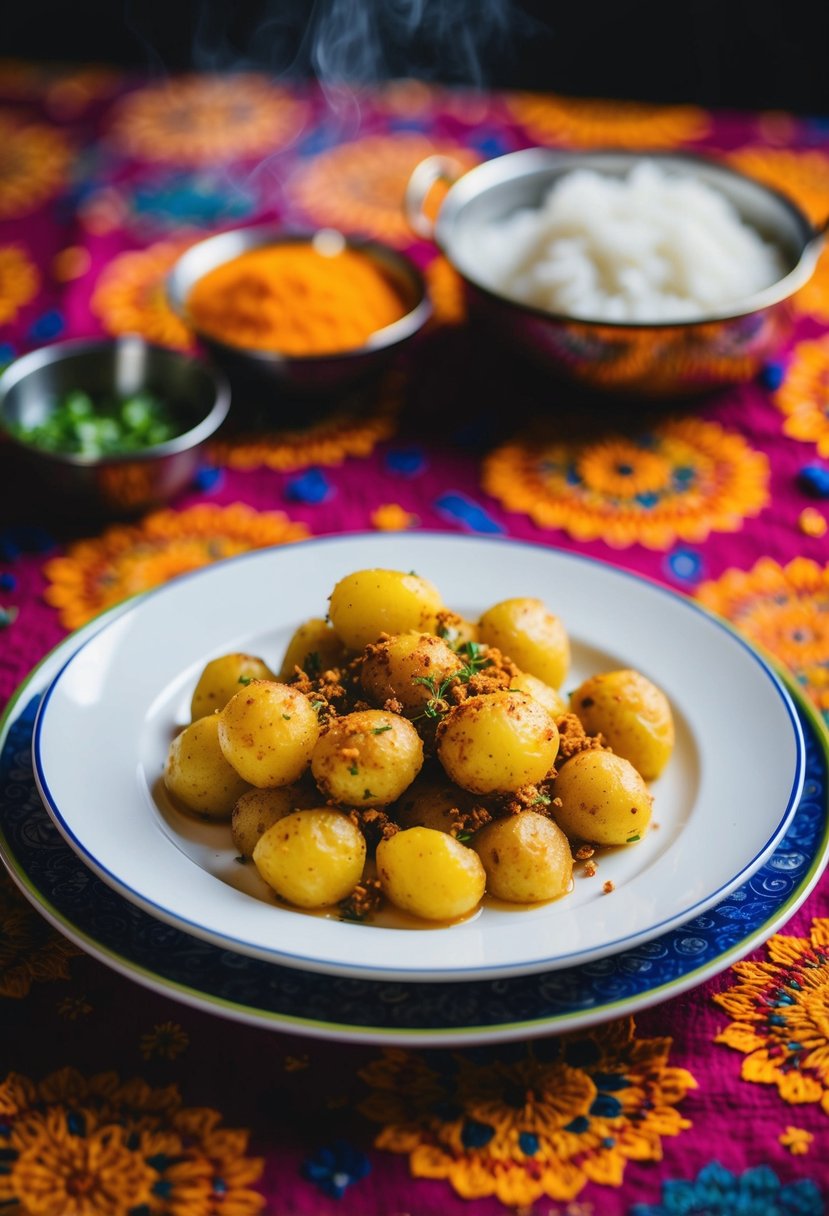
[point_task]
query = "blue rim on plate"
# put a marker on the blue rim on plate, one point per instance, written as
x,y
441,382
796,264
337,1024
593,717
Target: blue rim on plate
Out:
x,y
102,692
173,963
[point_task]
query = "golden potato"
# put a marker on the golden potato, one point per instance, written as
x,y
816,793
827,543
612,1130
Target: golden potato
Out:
x,y
197,774
312,858
367,758
257,810
455,630
267,731
603,799
549,697
430,874
409,668
314,647
533,637
633,715
526,857
222,678
497,743
370,602
433,801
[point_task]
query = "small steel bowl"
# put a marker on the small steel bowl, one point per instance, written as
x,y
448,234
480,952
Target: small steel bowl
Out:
x,y
34,385
664,359
258,373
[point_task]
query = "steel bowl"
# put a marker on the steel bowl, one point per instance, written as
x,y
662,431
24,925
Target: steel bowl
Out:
x,y
663,359
33,386
261,373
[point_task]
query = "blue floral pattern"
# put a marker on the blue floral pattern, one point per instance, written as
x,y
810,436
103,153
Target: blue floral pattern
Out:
x,y
717,1192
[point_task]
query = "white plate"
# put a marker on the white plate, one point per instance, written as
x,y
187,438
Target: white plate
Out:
x,y
723,803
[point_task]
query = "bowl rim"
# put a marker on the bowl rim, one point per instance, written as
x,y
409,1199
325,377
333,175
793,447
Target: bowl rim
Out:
x,y
558,159
178,285
56,352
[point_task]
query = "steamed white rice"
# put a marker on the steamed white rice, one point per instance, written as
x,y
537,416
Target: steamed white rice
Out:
x,y
654,246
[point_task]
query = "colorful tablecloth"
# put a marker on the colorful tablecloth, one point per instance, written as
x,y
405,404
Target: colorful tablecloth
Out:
x,y
119,1099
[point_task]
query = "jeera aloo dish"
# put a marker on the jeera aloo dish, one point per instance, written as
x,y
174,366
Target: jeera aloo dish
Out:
x,y
401,756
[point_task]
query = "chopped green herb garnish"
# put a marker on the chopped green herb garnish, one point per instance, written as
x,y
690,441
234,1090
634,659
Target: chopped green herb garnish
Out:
x,y
463,837
380,730
245,680
367,794
317,705
353,770
541,800
632,839
241,860
287,717
81,425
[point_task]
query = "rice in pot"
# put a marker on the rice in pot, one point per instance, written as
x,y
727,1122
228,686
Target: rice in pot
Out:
x,y
654,246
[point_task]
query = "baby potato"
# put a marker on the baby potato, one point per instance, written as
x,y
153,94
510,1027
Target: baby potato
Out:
x,y
367,758
527,858
550,698
455,630
197,774
533,637
433,801
633,715
311,858
604,800
496,743
222,678
314,647
370,602
257,810
408,668
430,874
267,731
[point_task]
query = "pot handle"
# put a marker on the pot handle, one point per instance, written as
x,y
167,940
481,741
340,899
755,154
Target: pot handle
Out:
x,y
424,177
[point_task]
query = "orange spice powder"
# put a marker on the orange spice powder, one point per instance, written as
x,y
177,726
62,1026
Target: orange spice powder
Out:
x,y
295,300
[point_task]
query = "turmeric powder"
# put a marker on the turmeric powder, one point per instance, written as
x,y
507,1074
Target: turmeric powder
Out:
x,y
294,299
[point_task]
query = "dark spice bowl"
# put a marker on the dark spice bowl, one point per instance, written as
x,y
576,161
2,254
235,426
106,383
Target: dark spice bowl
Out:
x,y
35,386
266,376
607,358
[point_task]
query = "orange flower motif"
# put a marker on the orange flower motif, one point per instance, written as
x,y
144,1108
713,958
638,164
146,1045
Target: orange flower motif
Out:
x,y
803,397
391,517
409,98
202,119
96,574
780,1011
78,1146
575,1122
681,481
165,1041
34,160
19,281
354,429
30,950
594,123
130,295
797,1140
785,609
361,185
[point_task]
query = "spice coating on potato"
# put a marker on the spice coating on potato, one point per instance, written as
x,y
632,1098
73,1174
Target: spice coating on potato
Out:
x,y
550,698
527,858
603,799
633,715
311,858
532,636
367,758
267,731
314,647
367,603
497,743
430,874
433,801
257,810
409,669
197,774
222,678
